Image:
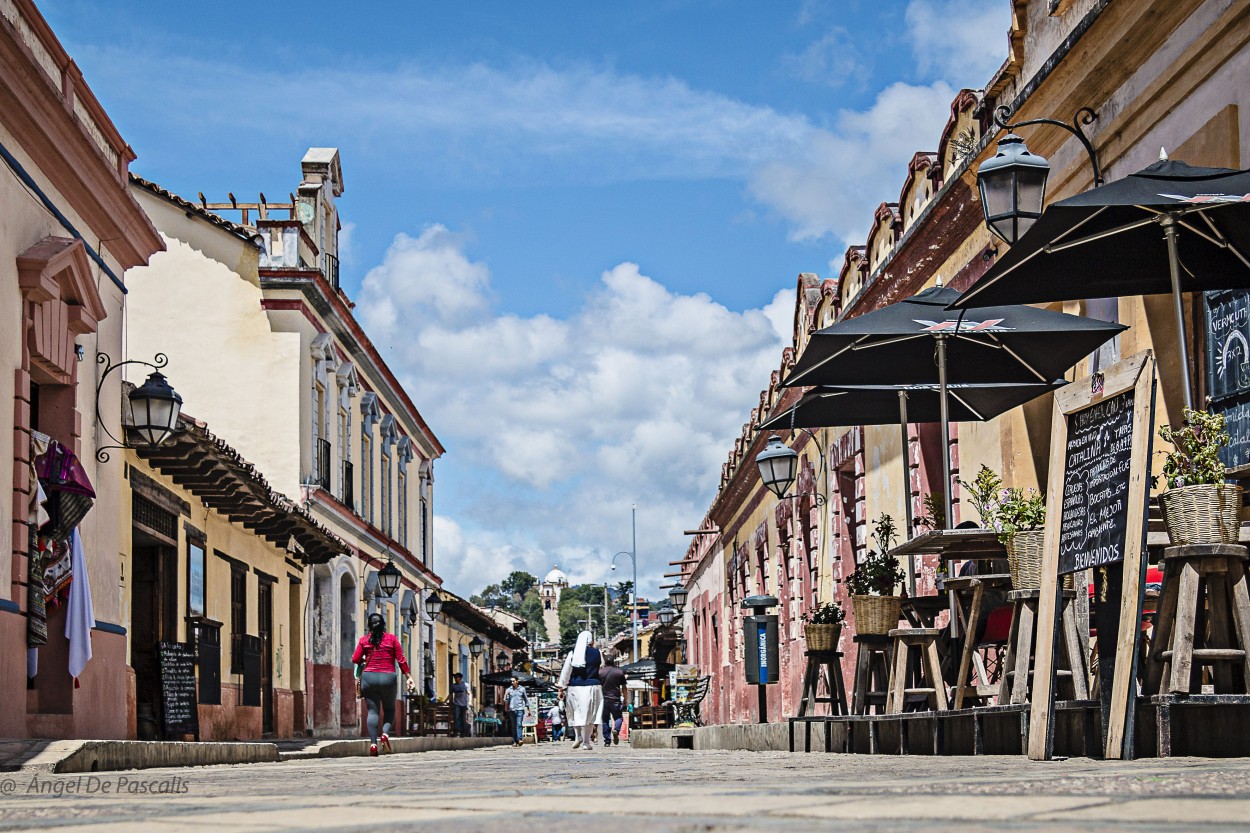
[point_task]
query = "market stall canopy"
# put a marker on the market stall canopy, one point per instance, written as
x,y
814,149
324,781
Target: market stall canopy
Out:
x,y
1107,242
643,669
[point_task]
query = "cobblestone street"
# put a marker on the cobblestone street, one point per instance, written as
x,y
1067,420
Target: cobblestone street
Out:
x,y
556,788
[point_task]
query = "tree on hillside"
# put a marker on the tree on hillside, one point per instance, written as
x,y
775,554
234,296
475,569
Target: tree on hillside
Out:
x,y
507,594
531,609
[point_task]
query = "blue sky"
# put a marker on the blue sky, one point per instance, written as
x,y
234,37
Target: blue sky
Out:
x,y
574,229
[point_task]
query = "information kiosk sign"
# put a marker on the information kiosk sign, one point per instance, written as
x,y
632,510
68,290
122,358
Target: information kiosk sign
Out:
x,y
1096,517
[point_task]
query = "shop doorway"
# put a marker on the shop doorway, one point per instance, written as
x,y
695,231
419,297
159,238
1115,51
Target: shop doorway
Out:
x,y
153,619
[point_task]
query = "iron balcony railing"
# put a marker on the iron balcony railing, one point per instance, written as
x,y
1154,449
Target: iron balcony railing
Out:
x,y
349,485
331,268
323,463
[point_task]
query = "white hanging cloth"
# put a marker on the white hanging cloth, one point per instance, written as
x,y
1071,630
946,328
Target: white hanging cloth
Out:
x,y
79,615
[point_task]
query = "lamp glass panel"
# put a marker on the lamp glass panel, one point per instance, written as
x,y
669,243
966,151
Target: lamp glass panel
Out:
x,y
1030,191
998,193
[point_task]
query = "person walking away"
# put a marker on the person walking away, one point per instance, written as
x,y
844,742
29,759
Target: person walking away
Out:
x,y
514,698
612,679
460,705
557,722
579,682
380,651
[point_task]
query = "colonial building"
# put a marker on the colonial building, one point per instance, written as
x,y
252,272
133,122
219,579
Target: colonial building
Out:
x,y
71,228
1156,74
264,342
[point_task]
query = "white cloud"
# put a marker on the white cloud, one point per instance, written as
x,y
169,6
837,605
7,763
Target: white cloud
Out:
x,y
961,41
834,59
567,421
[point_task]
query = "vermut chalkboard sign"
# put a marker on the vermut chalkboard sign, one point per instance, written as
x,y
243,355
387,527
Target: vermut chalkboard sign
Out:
x,y
1096,502
179,712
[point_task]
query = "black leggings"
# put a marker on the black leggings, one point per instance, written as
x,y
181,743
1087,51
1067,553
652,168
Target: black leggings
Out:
x,y
378,690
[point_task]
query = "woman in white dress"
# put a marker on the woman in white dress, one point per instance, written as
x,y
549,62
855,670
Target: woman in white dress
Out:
x,y
579,684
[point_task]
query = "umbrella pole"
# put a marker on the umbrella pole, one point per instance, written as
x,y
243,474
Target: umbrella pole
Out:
x,y
1168,222
908,532
946,433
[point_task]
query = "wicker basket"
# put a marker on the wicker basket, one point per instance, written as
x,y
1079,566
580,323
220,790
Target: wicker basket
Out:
x,y
1205,514
1024,555
876,614
822,637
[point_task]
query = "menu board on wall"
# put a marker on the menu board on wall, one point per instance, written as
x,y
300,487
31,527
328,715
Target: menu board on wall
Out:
x,y
1228,369
1094,525
179,712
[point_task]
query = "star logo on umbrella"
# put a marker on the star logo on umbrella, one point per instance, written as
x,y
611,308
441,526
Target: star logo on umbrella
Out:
x,y
965,326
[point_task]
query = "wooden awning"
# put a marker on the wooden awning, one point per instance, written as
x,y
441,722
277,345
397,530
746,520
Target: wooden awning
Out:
x,y
214,472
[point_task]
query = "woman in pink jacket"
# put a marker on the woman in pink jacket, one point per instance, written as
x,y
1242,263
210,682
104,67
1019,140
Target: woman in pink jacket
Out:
x,y
379,684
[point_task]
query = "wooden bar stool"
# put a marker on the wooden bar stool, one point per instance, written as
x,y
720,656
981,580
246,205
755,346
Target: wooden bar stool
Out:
x,y
1018,664
872,673
829,662
1216,574
929,679
967,591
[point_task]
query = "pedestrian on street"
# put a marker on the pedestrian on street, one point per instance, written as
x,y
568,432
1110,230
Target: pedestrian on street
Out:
x,y
579,683
459,705
514,698
613,681
380,651
557,722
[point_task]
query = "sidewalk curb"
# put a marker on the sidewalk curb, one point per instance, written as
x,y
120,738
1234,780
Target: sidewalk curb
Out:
x,y
65,757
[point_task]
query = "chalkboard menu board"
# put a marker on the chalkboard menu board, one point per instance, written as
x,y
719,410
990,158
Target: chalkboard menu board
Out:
x,y
1228,369
178,701
1094,526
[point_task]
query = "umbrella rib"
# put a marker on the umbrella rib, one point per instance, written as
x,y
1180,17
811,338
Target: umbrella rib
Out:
x,y
1051,248
1223,240
964,402
1019,358
886,342
826,360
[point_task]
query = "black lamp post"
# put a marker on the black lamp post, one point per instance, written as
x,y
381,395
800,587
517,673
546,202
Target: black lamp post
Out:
x,y
388,578
433,604
666,616
475,646
154,406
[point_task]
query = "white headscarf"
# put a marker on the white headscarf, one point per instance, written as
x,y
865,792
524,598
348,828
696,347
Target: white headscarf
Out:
x,y
577,659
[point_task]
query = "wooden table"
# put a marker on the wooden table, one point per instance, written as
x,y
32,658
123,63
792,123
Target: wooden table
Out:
x,y
955,545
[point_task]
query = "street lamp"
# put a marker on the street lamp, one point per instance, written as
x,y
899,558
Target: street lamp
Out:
x,y
666,616
475,646
1013,182
154,406
433,604
633,559
778,465
389,578
678,597
1013,188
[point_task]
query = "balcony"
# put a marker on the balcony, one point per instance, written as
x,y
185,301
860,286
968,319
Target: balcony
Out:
x,y
330,266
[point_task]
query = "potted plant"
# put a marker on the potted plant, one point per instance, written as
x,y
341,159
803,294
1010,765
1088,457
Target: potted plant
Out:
x,y
1198,506
822,625
871,586
1019,518
983,494
934,516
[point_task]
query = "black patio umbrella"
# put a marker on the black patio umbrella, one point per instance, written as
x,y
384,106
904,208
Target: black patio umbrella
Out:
x,y
823,407
1169,228
917,341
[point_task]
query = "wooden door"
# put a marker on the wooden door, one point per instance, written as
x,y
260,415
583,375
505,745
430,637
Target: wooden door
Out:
x,y
264,598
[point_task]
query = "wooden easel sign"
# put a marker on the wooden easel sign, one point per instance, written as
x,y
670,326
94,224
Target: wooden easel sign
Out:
x,y
1096,504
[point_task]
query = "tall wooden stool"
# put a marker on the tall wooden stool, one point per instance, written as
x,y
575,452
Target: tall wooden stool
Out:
x,y
1215,573
872,673
829,662
1018,664
929,679
967,592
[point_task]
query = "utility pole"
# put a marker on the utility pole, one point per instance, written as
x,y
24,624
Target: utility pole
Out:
x,y
590,618
633,611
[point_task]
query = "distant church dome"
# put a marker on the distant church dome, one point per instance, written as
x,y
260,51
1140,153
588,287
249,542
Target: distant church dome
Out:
x,y
556,577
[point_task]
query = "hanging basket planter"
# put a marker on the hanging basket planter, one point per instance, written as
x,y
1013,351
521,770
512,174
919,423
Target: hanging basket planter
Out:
x,y
876,614
1024,556
1204,514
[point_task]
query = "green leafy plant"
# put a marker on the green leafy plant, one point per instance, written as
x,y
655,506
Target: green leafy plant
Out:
x,y
879,572
983,494
825,613
934,516
1195,456
1018,511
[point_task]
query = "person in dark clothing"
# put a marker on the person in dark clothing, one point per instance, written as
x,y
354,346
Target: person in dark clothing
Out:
x,y
460,705
613,682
